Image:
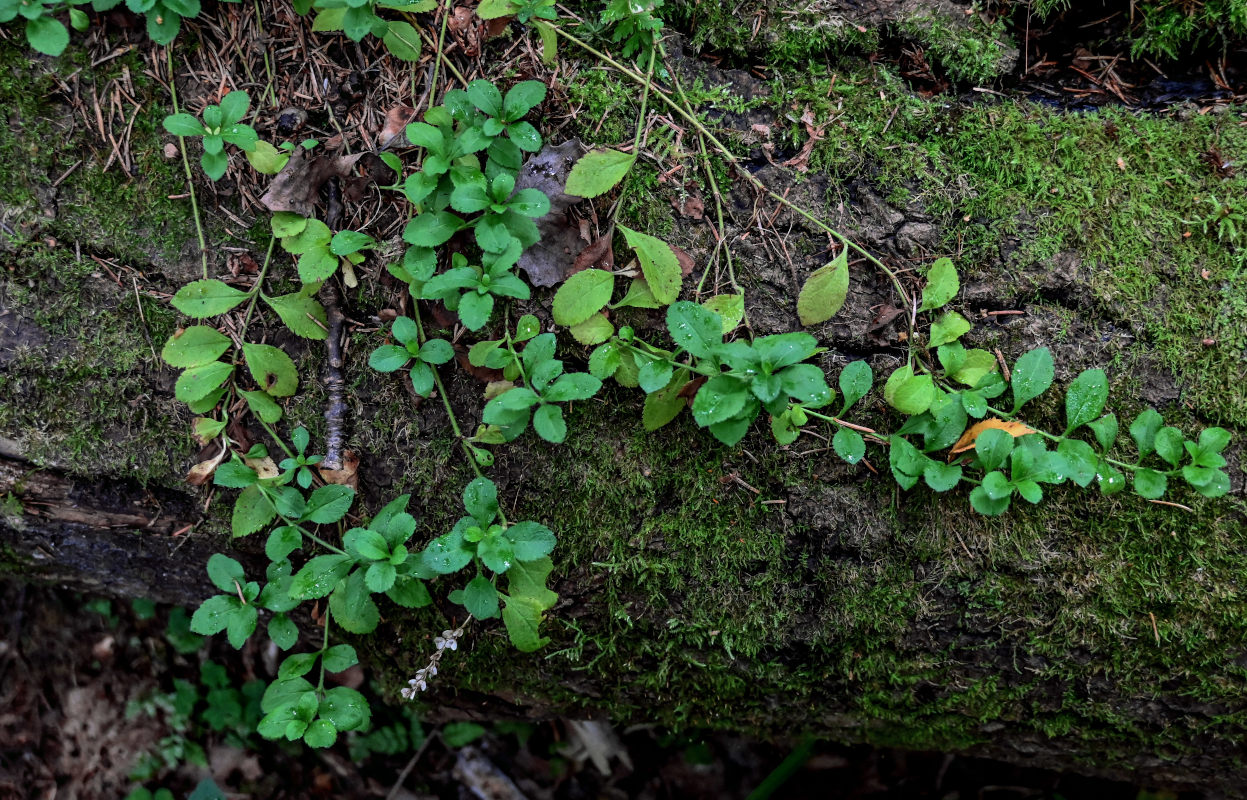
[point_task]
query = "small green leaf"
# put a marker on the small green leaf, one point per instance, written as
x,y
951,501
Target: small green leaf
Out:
x,y
695,328
328,504
582,295
271,368
347,242
1105,430
573,386
480,598
267,159
207,298
729,307
659,264
1085,398
402,40
197,383
224,571
942,286
301,313
665,404
194,346
1150,484
1143,430
549,424
992,447
976,365
949,327
1032,375
824,292
849,445
352,606
283,631
855,381
252,511
942,477
598,172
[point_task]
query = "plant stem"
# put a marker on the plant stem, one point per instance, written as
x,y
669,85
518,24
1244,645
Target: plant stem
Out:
x,y
640,130
276,438
186,165
258,289
320,686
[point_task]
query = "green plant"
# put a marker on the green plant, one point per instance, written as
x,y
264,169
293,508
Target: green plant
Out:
x,y
44,32
359,18
221,124
423,357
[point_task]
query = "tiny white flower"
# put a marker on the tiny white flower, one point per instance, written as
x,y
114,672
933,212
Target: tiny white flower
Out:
x,y
432,670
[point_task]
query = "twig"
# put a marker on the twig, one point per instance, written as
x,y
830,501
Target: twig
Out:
x,y
335,384
186,164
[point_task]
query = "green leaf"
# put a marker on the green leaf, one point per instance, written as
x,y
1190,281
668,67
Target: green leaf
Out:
x,y
267,159
1143,430
316,265
252,511
283,631
942,477
496,552
380,576
654,375
197,382
522,98
432,228
986,505
402,40
480,499
328,504
1032,375
234,475
320,733
366,543
214,163
458,734
1105,430
480,598
47,35
388,358
493,9
224,571
1213,440
301,313
213,614
241,625
271,368
992,447
665,404
352,606
694,328
719,399
346,708
595,330
977,365
344,243
638,296
1085,398
234,107
207,298
409,593
974,404
573,386
287,224
1150,484
530,540
597,172
1168,443
913,395
849,445
729,307
183,125
824,291
319,576
283,541
485,96
949,327
1080,461
997,486
582,295
942,285
193,347
658,264
856,380
528,599
549,424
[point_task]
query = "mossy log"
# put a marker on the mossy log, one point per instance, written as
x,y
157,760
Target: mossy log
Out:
x,y
760,589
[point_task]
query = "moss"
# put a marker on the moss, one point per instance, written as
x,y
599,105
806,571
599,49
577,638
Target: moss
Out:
x,y
1163,29
976,52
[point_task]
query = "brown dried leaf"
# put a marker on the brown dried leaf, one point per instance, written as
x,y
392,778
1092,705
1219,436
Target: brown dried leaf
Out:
x,y
1011,427
348,475
686,261
201,472
689,390
296,187
689,206
264,467
482,374
551,260
599,254
396,120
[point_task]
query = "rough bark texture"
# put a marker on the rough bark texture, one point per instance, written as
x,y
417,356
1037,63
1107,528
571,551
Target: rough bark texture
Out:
x,y
758,588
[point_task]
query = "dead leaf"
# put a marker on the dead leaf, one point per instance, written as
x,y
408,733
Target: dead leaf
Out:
x,y
482,374
689,390
801,161
495,388
348,475
462,24
551,260
764,130
686,261
496,27
396,120
201,472
689,206
241,264
298,184
1011,427
598,255
264,467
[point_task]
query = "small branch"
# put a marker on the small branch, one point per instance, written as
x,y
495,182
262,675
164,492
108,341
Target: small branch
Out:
x,y
335,384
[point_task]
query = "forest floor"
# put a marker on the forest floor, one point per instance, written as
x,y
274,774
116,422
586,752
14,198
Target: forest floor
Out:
x,y
995,157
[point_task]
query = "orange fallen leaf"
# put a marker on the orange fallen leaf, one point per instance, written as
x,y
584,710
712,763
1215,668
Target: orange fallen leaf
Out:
x,y
347,476
1011,427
